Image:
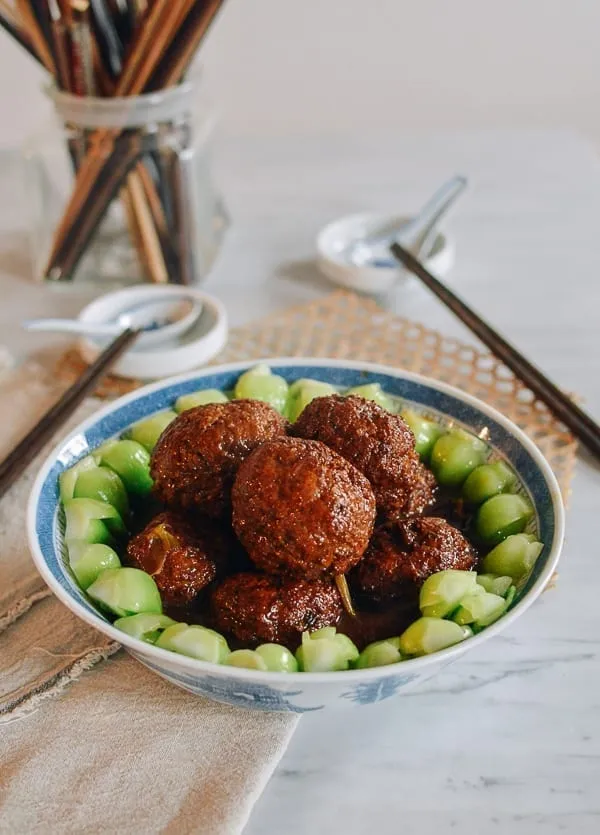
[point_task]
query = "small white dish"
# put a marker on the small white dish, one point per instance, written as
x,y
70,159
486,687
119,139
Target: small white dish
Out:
x,y
334,241
186,351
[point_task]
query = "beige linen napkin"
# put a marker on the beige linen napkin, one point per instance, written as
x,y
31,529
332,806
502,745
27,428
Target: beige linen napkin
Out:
x,y
122,751
114,749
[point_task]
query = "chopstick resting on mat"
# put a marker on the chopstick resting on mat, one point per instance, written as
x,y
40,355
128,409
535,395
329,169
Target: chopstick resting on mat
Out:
x,y
581,424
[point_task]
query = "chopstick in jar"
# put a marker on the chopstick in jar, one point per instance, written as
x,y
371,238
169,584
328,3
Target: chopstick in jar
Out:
x,y
31,29
109,46
152,254
60,38
119,12
158,208
181,52
159,29
41,13
139,9
84,78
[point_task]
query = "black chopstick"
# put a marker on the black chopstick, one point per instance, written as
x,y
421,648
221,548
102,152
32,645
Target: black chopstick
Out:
x,y
26,450
41,13
581,424
127,150
107,38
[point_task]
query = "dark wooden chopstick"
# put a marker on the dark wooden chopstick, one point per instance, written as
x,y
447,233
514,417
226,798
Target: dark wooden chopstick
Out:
x,y
26,450
581,424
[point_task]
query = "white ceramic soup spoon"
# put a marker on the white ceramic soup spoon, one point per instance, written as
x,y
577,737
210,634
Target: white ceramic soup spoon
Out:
x,y
158,319
416,234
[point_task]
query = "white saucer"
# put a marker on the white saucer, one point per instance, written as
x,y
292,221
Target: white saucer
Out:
x,y
333,242
194,348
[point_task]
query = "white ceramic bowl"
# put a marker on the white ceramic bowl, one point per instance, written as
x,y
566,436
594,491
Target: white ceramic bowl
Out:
x,y
333,242
192,349
296,692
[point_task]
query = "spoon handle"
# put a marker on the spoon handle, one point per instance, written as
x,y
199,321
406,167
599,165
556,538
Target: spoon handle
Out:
x,y
418,231
72,326
26,450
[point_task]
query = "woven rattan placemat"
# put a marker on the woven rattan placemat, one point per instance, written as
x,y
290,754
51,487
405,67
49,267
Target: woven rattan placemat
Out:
x,y
346,326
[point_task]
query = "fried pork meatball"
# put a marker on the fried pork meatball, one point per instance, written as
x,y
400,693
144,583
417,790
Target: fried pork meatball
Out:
x,y
400,558
256,608
378,443
182,558
413,490
301,509
197,456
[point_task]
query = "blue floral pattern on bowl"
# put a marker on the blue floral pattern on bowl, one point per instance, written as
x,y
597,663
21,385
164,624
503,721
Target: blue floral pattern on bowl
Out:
x,y
247,694
378,690
293,692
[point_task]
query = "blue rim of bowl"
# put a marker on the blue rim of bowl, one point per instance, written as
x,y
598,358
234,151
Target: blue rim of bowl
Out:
x,y
42,510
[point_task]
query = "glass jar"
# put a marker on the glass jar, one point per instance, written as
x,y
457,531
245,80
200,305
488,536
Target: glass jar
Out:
x,y
153,213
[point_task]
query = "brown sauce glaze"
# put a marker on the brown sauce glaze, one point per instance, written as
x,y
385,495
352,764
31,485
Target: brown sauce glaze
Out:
x,y
378,624
369,624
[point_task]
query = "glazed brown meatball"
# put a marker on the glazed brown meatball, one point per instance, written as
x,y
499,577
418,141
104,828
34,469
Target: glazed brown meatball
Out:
x,y
400,558
413,491
256,608
197,456
301,509
378,443
183,559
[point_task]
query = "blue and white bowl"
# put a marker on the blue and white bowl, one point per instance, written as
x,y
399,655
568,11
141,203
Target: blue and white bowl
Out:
x,y
297,692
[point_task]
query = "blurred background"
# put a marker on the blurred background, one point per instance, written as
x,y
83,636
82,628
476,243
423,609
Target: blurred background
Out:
x,y
327,65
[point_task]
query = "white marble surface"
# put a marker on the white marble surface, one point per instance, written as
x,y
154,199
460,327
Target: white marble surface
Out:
x,y
507,740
